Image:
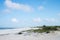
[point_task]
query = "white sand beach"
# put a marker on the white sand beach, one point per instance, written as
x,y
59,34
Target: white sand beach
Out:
x,y
28,36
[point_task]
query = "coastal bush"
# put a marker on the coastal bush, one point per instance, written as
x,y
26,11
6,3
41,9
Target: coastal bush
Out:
x,y
46,29
20,33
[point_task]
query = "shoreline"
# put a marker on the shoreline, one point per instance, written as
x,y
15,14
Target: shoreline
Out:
x,y
12,35
32,36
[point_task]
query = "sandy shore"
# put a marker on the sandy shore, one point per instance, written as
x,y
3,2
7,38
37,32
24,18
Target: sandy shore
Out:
x,y
31,36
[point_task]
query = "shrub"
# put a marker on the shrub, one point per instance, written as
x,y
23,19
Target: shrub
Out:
x,y
20,33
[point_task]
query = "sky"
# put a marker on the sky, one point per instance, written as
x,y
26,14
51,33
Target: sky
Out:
x,y
29,13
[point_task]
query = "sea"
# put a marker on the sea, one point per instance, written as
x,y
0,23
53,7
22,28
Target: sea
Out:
x,y
12,30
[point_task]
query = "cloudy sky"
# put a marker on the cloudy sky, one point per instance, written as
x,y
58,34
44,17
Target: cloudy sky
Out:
x,y
27,13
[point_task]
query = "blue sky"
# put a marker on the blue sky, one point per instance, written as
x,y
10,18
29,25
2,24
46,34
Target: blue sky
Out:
x,y
27,13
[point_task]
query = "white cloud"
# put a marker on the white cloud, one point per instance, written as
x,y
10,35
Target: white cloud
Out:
x,y
6,11
18,6
50,20
14,20
37,20
40,8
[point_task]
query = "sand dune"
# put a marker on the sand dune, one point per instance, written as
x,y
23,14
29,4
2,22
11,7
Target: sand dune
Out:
x,y
30,36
